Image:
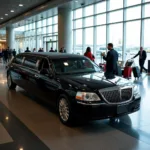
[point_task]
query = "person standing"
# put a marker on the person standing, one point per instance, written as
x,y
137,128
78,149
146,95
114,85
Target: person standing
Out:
x,y
40,50
14,53
27,50
34,50
9,54
142,57
111,62
51,50
89,54
5,56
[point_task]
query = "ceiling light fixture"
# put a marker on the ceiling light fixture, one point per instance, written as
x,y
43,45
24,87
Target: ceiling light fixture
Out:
x,y
6,14
76,1
12,11
2,18
21,5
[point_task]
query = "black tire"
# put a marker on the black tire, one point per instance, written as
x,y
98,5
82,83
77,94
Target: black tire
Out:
x,y
64,110
11,85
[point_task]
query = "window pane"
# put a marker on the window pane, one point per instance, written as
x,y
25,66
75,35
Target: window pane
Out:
x,y
134,13
78,46
89,37
101,7
101,41
27,27
116,4
78,13
55,19
56,28
132,39
30,26
78,23
116,16
116,37
89,10
147,10
101,19
44,30
33,25
44,22
146,38
20,28
39,24
133,2
33,32
147,0
39,31
89,21
49,21
49,29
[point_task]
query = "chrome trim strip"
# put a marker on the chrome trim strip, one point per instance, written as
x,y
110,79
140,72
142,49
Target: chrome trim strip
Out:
x,y
113,89
96,104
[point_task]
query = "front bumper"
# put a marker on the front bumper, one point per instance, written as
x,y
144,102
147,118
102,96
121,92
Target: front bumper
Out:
x,y
104,111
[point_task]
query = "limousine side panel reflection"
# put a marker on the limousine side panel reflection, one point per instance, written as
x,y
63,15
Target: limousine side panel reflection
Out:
x,y
74,85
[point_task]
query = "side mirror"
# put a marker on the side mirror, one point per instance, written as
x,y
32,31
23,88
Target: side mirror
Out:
x,y
46,72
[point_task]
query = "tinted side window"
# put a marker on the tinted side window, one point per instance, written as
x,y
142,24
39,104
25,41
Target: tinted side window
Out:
x,y
18,60
32,62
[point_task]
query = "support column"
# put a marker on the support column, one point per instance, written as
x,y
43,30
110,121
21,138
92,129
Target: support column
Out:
x,y
10,37
65,29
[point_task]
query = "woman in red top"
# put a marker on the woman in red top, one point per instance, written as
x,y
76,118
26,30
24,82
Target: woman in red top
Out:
x,y
89,54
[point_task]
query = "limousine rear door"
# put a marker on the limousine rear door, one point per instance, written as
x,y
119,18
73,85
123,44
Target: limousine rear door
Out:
x,y
48,86
31,71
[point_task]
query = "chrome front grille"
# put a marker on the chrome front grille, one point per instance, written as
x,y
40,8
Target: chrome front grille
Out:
x,y
117,95
126,94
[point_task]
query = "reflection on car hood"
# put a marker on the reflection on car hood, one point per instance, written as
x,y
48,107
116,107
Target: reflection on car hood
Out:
x,y
94,81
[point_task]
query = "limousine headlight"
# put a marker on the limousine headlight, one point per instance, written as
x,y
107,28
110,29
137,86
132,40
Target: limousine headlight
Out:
x,y
86,96
135,90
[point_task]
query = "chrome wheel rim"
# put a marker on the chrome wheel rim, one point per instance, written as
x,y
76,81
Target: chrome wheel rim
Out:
x,y
9,80
64,110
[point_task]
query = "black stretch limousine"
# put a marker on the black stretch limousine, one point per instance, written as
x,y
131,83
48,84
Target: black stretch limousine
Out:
x,y
74,85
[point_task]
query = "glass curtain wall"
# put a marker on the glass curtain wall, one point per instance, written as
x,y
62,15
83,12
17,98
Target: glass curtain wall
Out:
x,y
125,23
38,34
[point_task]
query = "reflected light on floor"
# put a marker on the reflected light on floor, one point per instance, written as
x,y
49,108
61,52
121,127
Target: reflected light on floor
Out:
x,y
7,118
3,81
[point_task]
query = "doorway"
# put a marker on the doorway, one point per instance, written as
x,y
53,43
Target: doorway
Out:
x,y
51,44
50,41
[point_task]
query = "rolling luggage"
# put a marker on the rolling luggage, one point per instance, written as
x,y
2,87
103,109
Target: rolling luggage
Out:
x,y
136,72
119,71
103,67
129,63
127,72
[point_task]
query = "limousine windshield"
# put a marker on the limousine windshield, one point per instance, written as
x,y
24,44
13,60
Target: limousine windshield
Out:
x,y
74,65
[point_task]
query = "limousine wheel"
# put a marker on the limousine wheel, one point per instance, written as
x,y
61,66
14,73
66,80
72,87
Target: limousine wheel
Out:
x,y
10,83
64,110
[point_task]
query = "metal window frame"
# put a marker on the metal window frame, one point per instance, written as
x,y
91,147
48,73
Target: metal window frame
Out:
x,y
125,7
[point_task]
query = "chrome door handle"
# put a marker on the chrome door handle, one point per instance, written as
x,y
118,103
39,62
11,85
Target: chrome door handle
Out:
x,y
36,76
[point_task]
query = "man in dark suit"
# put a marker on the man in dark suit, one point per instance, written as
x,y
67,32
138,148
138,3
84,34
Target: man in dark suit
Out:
x,y
142,57
111,62
27,51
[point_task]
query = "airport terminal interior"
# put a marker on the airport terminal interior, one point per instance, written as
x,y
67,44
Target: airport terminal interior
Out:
x,y
56,33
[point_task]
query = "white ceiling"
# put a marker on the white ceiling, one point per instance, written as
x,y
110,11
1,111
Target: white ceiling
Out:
x,y
7,5
29,5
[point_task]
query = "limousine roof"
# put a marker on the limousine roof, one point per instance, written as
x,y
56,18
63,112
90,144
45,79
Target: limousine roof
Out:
x,y
53,55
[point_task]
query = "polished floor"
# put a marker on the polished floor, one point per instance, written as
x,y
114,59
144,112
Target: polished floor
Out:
x,y
28,124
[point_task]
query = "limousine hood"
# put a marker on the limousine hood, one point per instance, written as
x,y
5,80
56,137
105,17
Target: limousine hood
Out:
x,y
94,81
